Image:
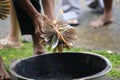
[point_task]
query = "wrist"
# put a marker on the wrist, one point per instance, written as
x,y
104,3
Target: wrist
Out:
x,y
36,15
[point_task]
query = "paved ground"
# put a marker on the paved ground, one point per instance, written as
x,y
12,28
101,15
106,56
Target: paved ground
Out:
x,y
106,37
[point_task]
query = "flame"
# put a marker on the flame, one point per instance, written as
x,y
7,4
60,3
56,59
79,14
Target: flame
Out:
x,y
56,18
61,12
54,21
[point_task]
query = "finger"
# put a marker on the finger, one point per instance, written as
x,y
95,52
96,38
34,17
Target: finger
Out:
x,y
1,77
36,29
60,48
46,18
39,29
7,77
41,24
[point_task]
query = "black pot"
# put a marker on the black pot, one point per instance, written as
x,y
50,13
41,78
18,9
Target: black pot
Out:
x,y
65,66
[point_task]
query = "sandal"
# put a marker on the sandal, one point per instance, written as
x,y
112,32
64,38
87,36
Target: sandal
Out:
x,y
73,22
4,43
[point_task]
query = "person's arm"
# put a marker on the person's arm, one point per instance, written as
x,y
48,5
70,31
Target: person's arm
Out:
x,y
48,6
38,19
28,7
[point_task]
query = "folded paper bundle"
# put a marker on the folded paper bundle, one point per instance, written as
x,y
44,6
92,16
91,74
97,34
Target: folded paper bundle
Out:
x,y
4,8
58,35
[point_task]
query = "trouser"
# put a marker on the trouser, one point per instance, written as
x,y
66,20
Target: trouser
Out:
x,y
25,21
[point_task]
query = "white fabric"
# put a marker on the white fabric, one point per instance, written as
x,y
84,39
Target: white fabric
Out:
x,y
101,3
71,9
88,2
69,15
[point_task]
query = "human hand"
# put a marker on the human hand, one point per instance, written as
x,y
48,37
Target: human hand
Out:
x,y
39,22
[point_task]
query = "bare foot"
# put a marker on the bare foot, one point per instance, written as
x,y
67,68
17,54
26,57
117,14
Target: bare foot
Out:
x,y
102,21
15,40
39,50
3,73
7,43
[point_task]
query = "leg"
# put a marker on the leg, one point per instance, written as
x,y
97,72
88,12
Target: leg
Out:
x,y
71,10
14,34
37,48
27,25
3,72
107,16
13,38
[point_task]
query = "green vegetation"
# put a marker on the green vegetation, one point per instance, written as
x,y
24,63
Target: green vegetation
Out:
x,y
10,55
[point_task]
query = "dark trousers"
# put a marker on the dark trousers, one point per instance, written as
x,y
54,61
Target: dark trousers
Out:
x,y
25,21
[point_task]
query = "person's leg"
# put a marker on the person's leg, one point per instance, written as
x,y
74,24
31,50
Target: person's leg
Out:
x,y
27,25
13,38
14,35
37,47
107,16
3,72
71,11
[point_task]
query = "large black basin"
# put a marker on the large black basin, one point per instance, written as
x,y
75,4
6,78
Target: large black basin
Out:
x,y
65,66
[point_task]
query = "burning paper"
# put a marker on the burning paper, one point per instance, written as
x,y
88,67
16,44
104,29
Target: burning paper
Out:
x,y
4,8
58,35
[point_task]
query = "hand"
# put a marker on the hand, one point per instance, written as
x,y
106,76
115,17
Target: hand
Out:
x,y
39,21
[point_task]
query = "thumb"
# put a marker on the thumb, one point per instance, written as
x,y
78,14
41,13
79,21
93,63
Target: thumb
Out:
x,y
46,18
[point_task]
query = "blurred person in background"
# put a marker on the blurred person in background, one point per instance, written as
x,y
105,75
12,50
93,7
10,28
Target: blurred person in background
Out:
x,y
71,9
97,6
13,38
107,16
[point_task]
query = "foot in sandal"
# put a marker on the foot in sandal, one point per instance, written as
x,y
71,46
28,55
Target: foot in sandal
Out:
x,y
5,43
